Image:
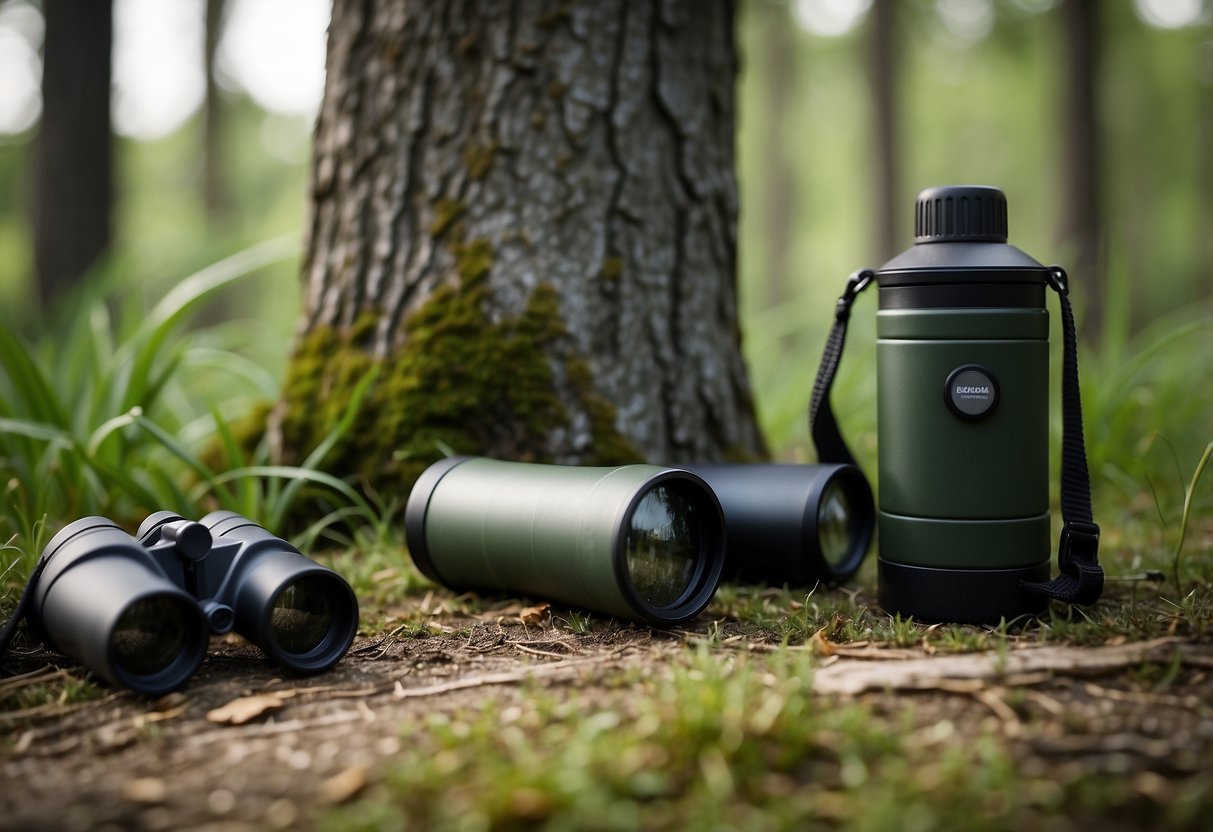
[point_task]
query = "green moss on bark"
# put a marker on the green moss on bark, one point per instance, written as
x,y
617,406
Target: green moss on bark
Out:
x,y
479,158
446,211
461,380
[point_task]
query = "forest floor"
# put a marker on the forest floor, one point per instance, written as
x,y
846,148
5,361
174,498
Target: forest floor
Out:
x,y
775,709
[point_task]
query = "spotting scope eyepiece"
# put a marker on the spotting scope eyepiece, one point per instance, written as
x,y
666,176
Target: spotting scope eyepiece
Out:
x,y
793,524
640,542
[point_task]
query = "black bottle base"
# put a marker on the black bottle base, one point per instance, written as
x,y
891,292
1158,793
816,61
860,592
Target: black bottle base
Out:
x,y
960,596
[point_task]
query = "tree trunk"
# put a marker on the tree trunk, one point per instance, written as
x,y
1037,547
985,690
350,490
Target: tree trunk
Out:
x,y
524,214
1082,216
882,71
214,191
73,178
778,178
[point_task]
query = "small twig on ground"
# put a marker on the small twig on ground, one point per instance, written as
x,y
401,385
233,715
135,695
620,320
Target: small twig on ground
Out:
x,y
541,671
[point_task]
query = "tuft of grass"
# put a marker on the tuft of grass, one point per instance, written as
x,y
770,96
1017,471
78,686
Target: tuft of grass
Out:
x,y
1186,516
119,414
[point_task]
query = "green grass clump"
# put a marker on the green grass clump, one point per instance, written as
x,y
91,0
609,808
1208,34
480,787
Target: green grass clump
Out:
x,y
119,411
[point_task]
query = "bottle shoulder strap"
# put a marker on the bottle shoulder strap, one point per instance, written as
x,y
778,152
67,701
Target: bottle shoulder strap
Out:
x,y
1080,578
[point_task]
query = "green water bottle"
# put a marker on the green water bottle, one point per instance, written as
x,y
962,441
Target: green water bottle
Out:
x,y
963,421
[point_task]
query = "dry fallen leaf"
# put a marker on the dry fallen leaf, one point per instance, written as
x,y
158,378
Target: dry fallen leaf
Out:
x,y
824,646
145,790
240,711
538,614
344,784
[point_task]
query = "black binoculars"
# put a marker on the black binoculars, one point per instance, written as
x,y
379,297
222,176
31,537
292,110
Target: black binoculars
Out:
x,y
139,611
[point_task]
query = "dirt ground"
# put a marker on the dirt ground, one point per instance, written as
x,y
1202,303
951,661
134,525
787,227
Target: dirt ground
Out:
x,y
120,762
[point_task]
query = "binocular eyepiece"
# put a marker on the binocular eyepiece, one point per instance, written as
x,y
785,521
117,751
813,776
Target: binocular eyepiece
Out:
x,y
139,611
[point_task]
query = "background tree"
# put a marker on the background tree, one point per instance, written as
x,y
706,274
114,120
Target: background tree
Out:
x,y
777,57
882,49
525,214
214,191
73,173
1082,210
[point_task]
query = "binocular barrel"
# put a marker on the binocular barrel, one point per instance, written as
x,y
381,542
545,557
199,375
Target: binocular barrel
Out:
x,y
104,601
301,614
139,612
793,524
639,541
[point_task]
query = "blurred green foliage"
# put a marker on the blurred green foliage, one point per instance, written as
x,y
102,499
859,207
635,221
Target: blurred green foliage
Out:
x,y
986,112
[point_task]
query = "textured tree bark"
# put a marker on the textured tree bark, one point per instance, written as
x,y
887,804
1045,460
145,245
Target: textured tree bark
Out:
x,y
73,176
525,213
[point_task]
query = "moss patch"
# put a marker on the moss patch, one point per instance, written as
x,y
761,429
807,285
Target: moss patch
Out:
x,y
612,268
461,380
446,211
479,158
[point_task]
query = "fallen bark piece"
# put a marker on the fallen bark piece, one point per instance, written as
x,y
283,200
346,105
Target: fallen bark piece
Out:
x,y
344,785
851,676
145,790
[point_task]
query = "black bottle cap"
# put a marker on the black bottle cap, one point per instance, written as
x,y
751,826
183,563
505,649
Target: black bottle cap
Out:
x,y
961,213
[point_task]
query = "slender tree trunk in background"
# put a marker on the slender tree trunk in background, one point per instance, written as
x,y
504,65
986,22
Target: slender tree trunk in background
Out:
x,y
778,183
73,178
882,68
524,215
1082,215
214,193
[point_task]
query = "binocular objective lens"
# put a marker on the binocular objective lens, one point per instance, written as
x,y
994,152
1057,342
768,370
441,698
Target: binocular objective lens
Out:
x,y
837,526
663,545
149,636
303,614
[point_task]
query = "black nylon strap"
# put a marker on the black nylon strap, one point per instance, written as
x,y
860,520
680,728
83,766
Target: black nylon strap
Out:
x,y
10,626
823,427
1080,580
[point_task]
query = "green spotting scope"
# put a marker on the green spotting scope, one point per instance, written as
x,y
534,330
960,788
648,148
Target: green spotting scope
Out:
x,y
640,542
139,612
963,416
792,524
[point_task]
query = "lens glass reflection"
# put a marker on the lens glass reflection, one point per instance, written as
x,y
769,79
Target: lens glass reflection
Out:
x,y
150,634
837,526
302,614
663,545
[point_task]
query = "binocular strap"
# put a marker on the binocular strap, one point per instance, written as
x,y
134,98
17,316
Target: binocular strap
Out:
x,y
1080,578
10,626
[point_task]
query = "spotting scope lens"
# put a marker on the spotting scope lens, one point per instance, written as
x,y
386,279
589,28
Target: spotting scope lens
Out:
x,y
838,528
638,541
663,545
